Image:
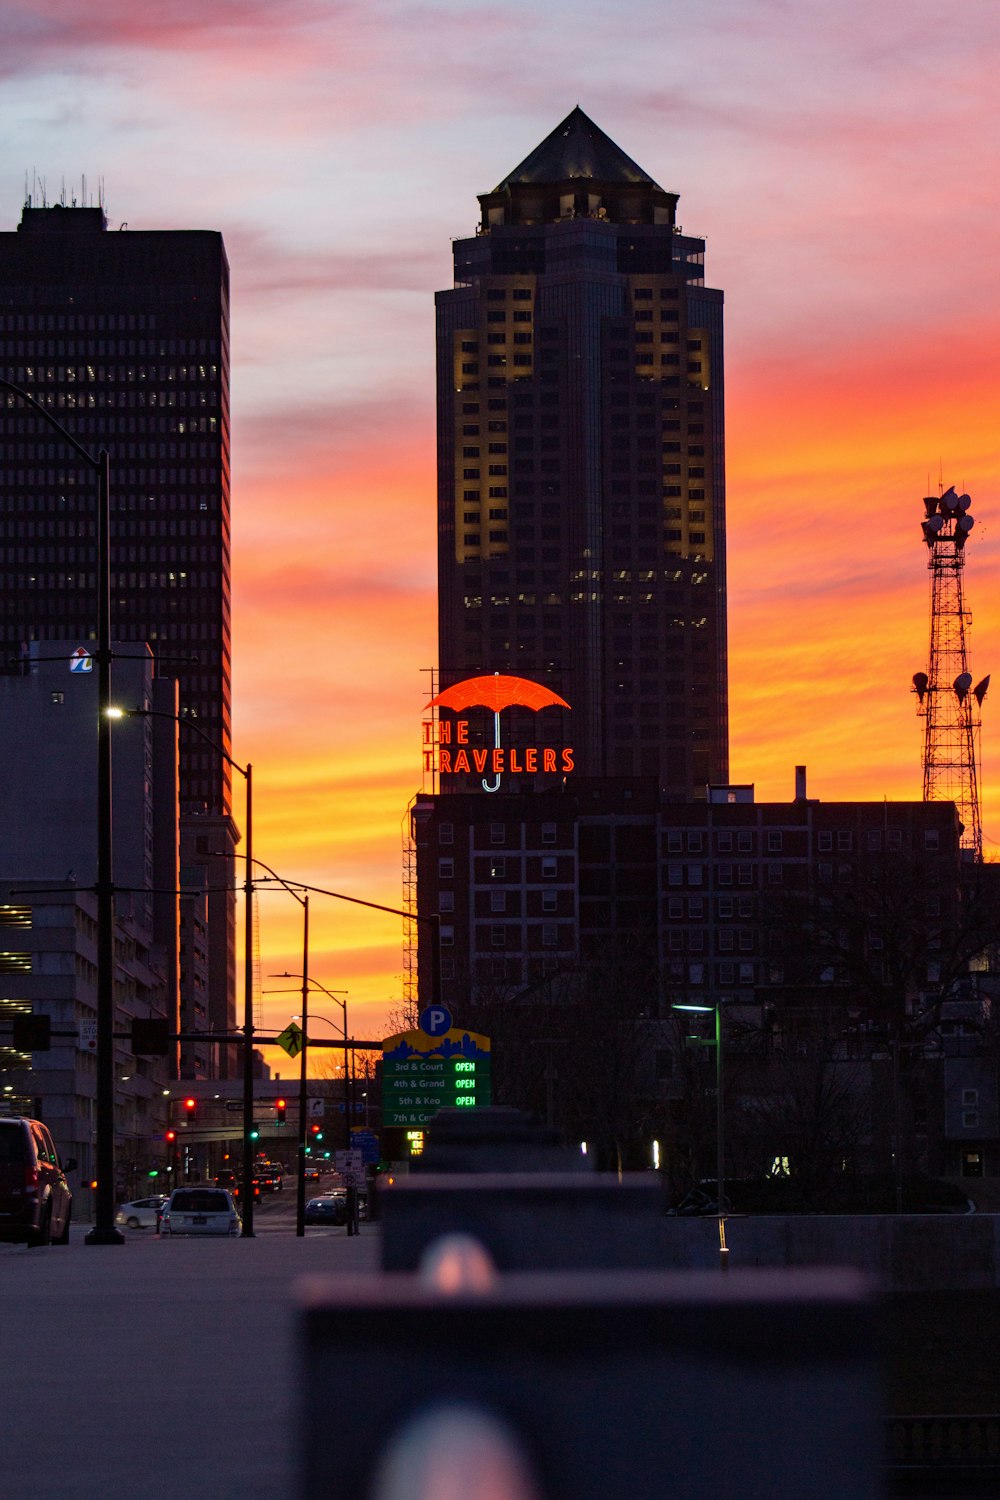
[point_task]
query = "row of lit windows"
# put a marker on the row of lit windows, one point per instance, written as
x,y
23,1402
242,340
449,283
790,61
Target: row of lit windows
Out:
x,y
165,580
102,374
122,400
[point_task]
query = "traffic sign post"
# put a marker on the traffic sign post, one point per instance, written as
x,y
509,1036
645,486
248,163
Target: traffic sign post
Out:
x,y
422,1074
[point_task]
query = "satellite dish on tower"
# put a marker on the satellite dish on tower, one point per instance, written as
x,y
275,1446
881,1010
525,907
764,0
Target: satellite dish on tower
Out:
x,y
979,691
920,684
962,684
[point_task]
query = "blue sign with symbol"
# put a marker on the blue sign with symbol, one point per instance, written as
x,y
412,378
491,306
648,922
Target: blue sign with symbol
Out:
x,y
435,1020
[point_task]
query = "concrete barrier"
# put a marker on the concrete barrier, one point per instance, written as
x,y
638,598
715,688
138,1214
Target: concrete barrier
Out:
x,y
555,1221
609,1383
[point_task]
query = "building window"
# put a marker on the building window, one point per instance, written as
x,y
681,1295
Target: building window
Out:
x,y
446,869
694,843
845,839
695,874
727,940
746,973
744,843
498,900
746,875
498,868
824,841
675,842
725,843
675,907
446,901
775,873
675,874
549,867
550,900
550,935
447,935
774,840
931,839
724,875
497,833
498,936
696,908
724,906
548,833
446,833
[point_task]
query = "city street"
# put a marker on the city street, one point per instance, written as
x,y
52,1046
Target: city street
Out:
x,y
160,1365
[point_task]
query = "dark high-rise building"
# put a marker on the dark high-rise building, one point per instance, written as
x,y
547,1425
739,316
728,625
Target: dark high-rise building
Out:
x,y
581,501
124,337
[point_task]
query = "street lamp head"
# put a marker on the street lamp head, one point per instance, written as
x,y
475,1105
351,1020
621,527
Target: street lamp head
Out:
x,y
705,1010
115,713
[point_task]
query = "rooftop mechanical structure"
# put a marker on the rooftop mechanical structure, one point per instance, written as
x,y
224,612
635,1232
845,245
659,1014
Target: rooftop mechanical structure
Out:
x,y
946,699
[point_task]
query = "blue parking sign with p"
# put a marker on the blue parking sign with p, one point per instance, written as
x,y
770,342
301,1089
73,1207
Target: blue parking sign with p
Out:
x,y
435,1020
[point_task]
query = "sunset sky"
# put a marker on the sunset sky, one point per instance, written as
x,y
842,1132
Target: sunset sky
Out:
x,y
841,161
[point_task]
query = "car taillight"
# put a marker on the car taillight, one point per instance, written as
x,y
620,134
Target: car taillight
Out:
x,y
30,1178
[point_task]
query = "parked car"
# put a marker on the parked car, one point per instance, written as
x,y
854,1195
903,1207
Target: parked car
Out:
x,y
200,1210
141,1213
328,1208
36,1201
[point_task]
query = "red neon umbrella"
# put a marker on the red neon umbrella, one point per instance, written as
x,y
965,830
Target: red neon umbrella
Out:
x,y
496,693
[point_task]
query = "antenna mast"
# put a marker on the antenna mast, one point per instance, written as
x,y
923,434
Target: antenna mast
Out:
x,y
946,700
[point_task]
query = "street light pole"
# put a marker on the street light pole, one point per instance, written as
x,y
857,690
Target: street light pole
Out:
x,y
246,1214
720,1120
104,1231
300,1177
247,1232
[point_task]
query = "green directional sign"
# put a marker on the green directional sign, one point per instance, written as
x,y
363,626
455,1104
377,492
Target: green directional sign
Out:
x,y
421,1075
292,1039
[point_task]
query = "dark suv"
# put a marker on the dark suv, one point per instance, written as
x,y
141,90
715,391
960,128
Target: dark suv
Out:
x,y
35,1198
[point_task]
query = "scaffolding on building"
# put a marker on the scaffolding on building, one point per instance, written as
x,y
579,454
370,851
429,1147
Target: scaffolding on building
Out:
x,y
946,699
428,786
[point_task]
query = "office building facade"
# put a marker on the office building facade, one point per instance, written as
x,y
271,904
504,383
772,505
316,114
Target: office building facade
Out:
x,y
124,338
581,496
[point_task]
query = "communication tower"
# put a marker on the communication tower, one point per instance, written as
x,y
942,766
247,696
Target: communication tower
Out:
x,y
946,700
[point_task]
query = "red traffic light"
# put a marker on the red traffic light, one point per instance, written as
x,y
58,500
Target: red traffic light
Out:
x,y
190,1105
315,1129
280,1108
171,1135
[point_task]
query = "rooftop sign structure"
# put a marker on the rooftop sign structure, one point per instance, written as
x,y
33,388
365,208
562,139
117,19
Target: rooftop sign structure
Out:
x,y
496,692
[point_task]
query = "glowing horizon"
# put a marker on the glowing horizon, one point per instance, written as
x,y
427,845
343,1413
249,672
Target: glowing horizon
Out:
x,y
839,165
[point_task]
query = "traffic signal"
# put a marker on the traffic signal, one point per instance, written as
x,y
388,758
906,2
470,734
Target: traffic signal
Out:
x,y
32,1033
190,1110
255,1131
280,1108
316,1131
170,1137
150,1036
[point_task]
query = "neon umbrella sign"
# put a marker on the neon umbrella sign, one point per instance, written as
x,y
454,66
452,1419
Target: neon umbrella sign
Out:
x,y
496,693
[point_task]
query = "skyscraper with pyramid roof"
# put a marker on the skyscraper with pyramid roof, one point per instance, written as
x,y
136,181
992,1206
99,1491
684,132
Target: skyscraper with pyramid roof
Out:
x,y
581,498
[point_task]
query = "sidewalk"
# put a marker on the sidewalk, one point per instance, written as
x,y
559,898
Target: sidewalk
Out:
x,y
159,1365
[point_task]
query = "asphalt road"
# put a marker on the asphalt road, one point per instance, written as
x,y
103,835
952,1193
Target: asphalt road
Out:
x,y
159,1366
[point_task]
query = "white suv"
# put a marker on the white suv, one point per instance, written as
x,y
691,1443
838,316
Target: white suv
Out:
x,y
200,1210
